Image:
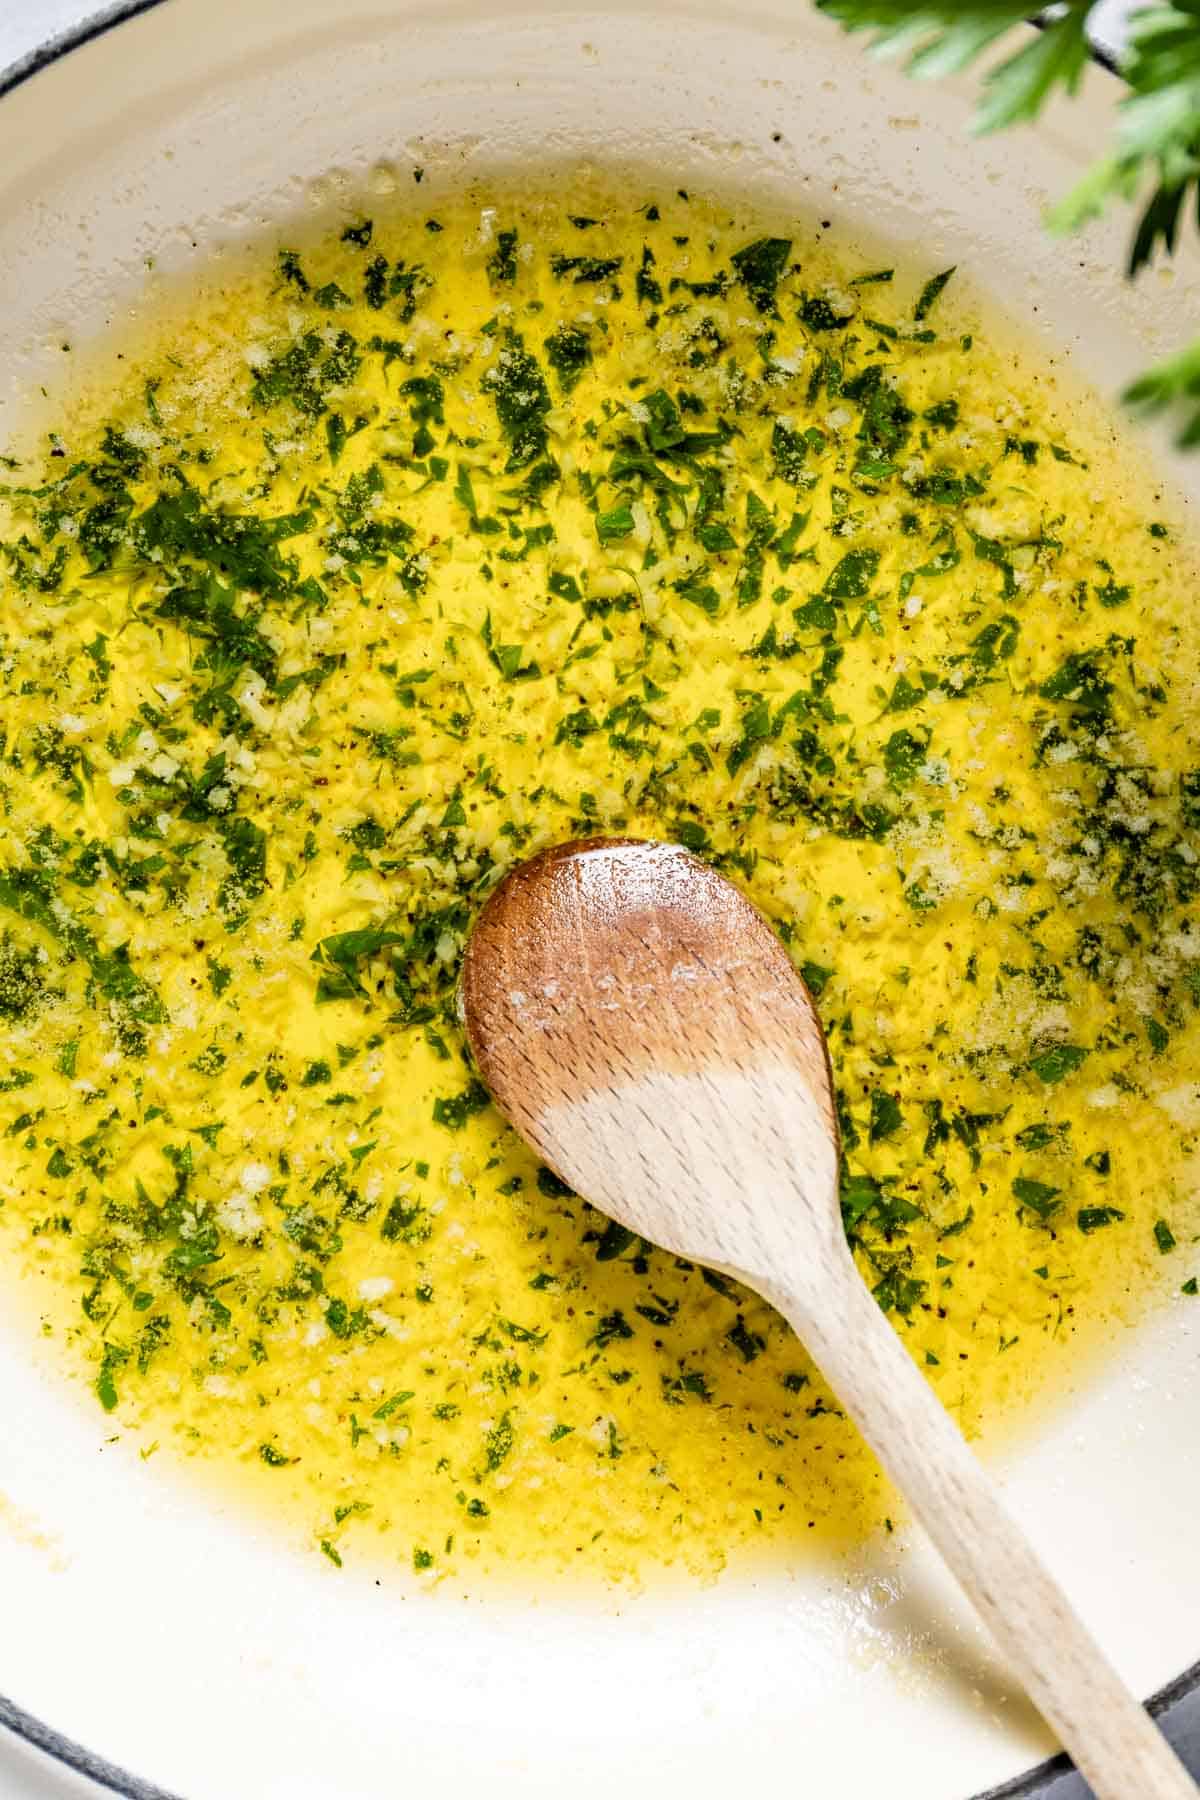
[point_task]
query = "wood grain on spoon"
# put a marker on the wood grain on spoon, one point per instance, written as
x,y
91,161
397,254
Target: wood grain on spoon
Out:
x,y
644,1029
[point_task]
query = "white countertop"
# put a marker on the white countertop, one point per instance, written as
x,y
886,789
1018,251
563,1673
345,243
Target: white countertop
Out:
x,y
24,24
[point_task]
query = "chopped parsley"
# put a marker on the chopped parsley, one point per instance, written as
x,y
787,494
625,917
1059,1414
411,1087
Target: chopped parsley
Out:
x,y
485,532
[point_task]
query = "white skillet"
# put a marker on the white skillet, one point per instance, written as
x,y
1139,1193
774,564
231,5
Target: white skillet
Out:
x,y
174,1637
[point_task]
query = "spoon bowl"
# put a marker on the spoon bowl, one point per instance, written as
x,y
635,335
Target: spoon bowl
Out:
x,y
611,983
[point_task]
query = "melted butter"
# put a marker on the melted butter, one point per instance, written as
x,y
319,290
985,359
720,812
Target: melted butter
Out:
x,y
603,526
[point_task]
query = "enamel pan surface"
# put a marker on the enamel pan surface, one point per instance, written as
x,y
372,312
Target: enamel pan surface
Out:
x,y
165,1630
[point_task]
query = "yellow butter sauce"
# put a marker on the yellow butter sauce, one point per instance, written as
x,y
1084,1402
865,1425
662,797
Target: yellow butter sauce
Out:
x,y
409,547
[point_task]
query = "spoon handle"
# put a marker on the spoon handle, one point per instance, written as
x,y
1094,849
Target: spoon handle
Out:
x,y
1113,1740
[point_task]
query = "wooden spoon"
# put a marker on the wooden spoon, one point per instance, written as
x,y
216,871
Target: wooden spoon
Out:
x,y
644,1029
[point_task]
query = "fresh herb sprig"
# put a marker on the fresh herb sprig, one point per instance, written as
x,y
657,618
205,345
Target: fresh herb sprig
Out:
x,y
1154,157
